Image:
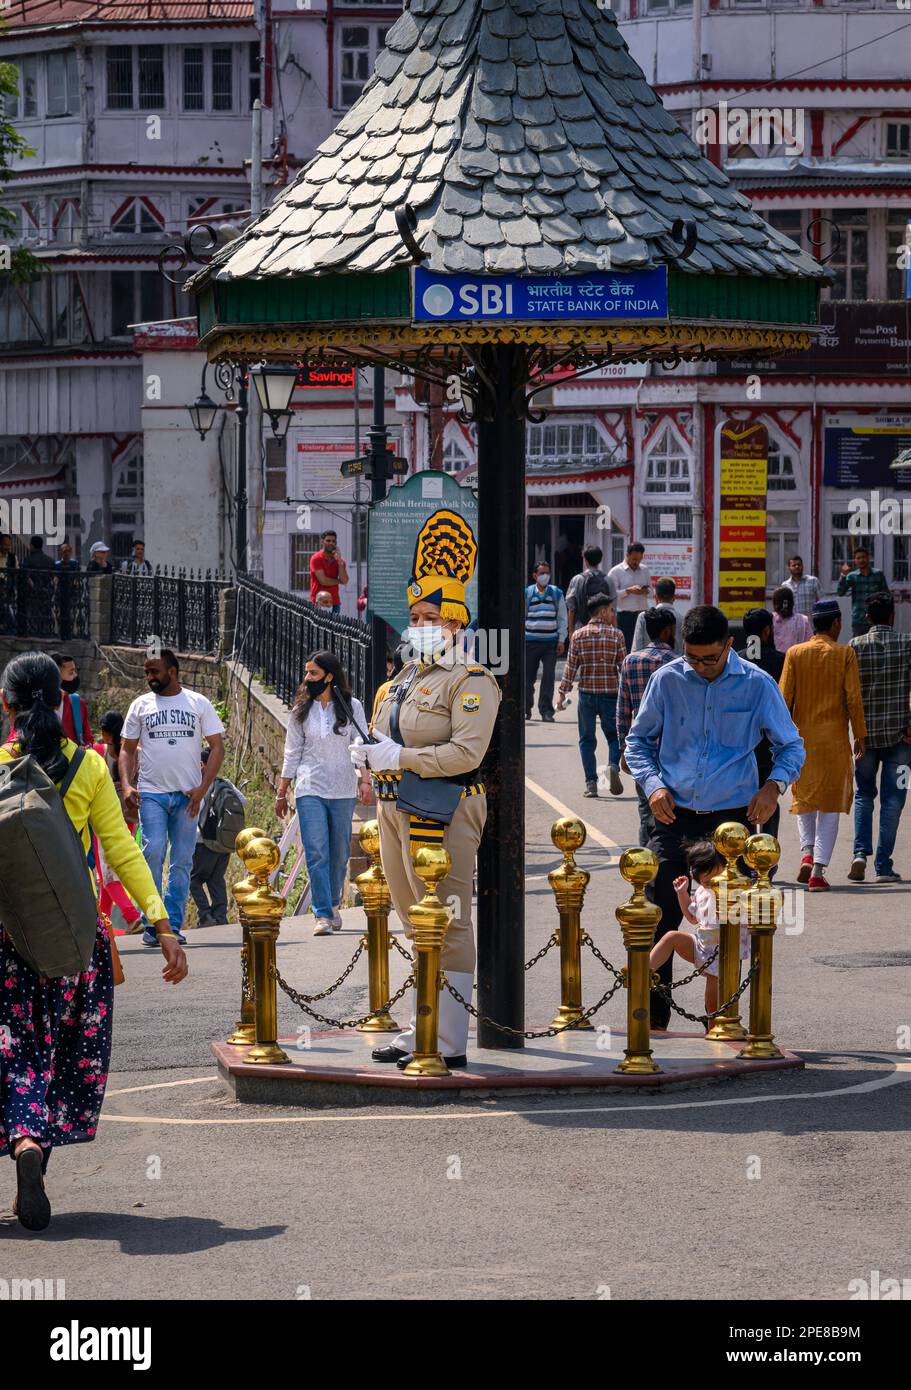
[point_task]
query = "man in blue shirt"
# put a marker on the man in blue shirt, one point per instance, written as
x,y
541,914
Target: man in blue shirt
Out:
x,y
545,639
690,748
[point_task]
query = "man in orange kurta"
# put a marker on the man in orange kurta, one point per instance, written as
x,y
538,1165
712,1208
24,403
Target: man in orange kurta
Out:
x,y
821,688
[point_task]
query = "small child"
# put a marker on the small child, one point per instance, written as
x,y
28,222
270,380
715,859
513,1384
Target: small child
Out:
x,y
700,910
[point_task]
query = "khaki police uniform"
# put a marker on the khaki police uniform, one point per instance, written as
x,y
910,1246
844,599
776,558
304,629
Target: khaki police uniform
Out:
x,y
445,722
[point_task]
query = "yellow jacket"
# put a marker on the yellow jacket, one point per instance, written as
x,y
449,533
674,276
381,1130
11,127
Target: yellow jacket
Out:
x,y
92,797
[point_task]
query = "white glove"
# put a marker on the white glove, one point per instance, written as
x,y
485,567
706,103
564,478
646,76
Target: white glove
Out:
x,y
358,752
384,755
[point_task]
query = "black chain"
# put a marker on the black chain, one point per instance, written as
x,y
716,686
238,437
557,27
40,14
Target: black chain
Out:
x,y
704,1019
246,984
524,1032
696,973
300,1000
587,941
312,998
401,950
554,941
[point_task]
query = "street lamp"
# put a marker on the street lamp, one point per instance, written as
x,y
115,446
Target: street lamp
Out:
x,y
275,388
280,423
203,410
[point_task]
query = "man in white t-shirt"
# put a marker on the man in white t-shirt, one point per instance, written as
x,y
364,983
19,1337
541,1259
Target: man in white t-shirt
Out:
x,y
162,735
633,584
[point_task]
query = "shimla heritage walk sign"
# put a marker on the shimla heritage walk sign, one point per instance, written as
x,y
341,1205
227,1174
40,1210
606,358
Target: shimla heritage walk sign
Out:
x,y
506,196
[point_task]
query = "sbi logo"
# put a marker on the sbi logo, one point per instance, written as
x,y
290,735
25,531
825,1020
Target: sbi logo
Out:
x,y
474,301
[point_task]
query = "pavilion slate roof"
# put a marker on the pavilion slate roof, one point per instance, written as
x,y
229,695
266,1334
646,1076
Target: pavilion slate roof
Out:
x,y
525,139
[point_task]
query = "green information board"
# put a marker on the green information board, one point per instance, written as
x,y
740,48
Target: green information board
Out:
x,y
392,531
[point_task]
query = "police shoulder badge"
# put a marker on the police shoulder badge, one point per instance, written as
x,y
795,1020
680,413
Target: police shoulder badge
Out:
x,y
471,703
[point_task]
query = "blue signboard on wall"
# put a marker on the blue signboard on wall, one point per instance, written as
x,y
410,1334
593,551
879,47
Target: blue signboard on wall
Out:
x,y
634,294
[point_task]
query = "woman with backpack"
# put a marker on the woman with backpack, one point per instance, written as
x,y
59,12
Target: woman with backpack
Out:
x,y
318,762
55,1032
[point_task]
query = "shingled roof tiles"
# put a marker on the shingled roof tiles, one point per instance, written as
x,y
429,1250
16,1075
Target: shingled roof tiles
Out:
x,y
525,139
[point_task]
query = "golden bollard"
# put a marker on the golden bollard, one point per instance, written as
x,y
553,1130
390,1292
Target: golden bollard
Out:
x,y
264,909
763,904
429,919
638,920
374,891
245,1028
729,840
569,883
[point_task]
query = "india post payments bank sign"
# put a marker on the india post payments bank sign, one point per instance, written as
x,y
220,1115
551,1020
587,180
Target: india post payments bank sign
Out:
x,y
636,294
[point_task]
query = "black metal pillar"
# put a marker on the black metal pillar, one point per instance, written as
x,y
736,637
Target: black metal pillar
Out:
x,y
240,500
379,475
501,566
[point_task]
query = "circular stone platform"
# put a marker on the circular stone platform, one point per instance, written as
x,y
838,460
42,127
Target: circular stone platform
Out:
x,y
335,1068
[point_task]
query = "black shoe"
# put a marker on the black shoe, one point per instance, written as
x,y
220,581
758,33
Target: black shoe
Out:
x,y
389,1054
660,1023
460,1061
548,718
32,1206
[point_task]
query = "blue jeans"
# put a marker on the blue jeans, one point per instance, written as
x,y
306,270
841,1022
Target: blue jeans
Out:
x,y
593,707
325,824
164,820
893,790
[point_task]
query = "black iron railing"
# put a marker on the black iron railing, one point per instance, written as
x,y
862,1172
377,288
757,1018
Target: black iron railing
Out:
x,y
276,632
44,603
176,607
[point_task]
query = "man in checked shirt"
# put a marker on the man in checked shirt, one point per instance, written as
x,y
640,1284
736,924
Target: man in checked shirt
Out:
x,y
596,654
884,662
635,673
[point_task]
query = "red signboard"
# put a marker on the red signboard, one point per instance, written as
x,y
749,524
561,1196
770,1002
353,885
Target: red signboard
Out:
x,y
326,378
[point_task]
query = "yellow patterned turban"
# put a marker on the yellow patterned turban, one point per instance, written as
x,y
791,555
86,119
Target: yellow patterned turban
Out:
x,y
444,561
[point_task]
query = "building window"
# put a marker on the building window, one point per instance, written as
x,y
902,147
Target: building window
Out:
x,y
136,219
901,560
844,544
668,468
781,542
23,105
302,545
22,312
898,139
361,45
254,82
667,523
455,456
565,444
68,309
222,79
791,223
276,470
193,79
849,263
136,297
135,78
898,238
62,84
782,477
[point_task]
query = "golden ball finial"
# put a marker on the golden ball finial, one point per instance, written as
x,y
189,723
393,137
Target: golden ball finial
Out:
x,y
730,838
250,832
568,834
369,837
638,866
431,864
762,852
261,855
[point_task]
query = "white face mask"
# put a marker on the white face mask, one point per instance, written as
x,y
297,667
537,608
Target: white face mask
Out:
x,y
543,581
426,639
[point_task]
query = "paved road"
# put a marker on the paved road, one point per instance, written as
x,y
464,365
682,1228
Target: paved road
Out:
x,y
790,1185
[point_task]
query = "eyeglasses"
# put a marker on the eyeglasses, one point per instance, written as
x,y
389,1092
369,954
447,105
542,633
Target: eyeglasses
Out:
x,y
704,660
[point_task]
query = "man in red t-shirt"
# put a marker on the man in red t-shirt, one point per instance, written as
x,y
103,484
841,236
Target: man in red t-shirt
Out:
x,y
327,571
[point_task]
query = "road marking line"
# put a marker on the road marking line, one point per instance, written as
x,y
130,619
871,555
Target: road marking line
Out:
x,y
593,832
161,1085
900,1074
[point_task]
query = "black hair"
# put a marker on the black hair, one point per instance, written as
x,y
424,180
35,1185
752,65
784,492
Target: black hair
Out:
x,y
541,565
37,542
784,595
600,600
880,608
328,662
169,659
58,659
593,555
330,532
31,683
795,557
755,622
824,622
704,625
665,588
702,857
138,541
861,550
657,619
635,546
112,723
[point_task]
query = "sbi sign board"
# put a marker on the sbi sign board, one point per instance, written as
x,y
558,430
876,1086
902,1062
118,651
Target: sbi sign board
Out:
x,y
636,294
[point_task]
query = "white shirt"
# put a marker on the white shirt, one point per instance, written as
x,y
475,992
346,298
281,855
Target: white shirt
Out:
x,y
317,758
623,576
170,729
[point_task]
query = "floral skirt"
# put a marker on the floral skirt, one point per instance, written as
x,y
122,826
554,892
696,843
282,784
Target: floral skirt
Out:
x,y
55,1048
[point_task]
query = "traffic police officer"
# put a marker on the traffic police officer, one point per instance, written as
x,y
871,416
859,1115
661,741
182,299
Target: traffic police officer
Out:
x,y
446,706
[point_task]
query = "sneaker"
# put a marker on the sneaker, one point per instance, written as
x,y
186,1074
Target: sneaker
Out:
x,y
150,937
806,869
818,884
889,878
323,926
616,781
858,868
181,939
548,718
336,919
591,789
